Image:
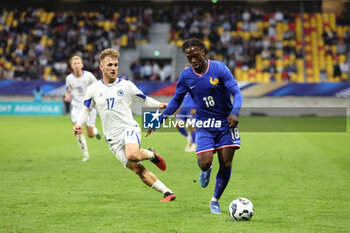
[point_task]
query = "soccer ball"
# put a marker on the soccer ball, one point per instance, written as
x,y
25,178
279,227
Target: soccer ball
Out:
x,y
241,209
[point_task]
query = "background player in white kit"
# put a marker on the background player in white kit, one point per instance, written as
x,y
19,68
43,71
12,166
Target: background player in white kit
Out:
x,y
77,83
113,97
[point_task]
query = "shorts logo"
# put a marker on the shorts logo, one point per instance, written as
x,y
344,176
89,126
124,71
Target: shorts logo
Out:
x,y
151,119
120,92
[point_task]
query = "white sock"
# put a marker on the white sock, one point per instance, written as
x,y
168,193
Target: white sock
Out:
x,y
214,199
159,186
150,154
189,139
83,145
95,130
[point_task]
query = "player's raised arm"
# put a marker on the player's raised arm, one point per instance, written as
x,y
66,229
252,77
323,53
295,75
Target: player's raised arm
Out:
x,y
177,99
146,100
174,103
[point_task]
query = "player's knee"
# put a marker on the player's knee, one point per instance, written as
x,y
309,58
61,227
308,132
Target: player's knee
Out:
x,y
133,156
204,165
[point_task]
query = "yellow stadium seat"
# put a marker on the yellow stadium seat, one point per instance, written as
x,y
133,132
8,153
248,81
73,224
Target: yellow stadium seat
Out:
x,y
179,43
207,43
89,47
8,65
334,49
81,23
344,76
279,53
124,40
342,58
266,77
245,76
116,15
293,77
220,30
252,75
278,76
259,77
239,74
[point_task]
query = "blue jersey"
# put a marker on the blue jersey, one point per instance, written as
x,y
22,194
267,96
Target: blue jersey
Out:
x,y
186,107
188,102
211,93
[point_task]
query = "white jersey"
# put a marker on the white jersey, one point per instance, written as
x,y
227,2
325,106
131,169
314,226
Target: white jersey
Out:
x,y
113,102
78,86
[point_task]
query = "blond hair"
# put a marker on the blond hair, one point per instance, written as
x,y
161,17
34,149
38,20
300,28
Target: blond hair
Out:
x,y
76,57
109,53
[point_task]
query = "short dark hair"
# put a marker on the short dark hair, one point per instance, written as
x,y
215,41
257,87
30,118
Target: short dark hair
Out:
x,y
194,42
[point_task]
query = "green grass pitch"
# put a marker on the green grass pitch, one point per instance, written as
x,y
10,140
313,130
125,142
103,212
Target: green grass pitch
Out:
x,y
298,182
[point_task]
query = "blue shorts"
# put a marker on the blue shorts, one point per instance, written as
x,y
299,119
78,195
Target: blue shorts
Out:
x,y
215,139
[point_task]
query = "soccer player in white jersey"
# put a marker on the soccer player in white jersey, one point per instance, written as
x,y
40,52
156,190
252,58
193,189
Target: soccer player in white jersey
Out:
x,y
113,97
77,83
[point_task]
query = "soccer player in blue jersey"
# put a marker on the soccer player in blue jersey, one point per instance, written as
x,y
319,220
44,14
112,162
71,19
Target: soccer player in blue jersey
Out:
x,y
211,85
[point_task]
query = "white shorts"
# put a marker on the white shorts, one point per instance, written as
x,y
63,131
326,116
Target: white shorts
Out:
x,y
90,121
131,135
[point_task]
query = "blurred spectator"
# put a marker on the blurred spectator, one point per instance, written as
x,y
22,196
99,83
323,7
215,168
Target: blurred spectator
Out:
x,y
279,17
166,72
156,71
323,75
38,94
341,48
146,71
45,40
136,70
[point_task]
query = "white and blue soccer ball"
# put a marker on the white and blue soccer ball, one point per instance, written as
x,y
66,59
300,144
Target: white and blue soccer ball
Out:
x,y
241,209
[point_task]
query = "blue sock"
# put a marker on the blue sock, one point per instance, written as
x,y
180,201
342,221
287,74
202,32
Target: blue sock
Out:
x,y
183,132
222,179
193,136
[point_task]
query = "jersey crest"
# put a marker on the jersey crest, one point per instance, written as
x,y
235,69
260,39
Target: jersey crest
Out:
x,y
120,92
214,82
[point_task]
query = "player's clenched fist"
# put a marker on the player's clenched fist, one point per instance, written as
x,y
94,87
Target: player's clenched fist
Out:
x,y
77,129
163,105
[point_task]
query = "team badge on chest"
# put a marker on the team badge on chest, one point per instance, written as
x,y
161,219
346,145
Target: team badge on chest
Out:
x,y
120,92
214,81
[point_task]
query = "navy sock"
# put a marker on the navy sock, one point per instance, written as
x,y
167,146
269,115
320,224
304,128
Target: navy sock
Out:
x,y
222,179
183,132
193,136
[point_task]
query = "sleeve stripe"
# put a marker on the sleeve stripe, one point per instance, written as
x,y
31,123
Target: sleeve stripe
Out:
x,y
87,103
141,96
